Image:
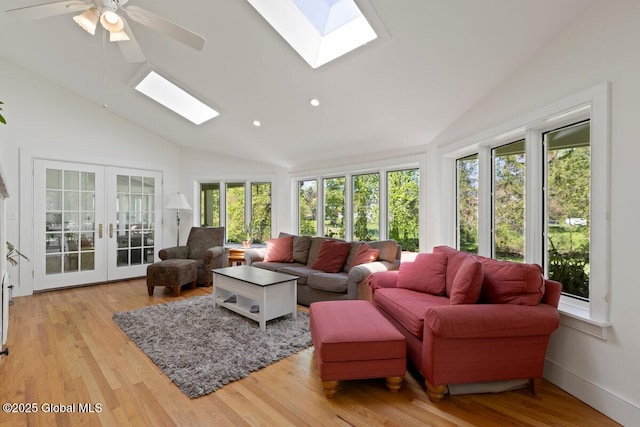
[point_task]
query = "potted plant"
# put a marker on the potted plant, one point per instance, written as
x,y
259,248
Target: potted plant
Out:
x,y
2,120
248,235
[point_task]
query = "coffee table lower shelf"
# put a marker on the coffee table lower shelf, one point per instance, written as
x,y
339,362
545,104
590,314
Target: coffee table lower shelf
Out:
x,y
259,295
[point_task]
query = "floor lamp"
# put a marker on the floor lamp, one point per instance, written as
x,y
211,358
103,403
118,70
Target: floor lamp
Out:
x,y
179,203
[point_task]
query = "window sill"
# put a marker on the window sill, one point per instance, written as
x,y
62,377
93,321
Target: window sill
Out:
x,y
579,318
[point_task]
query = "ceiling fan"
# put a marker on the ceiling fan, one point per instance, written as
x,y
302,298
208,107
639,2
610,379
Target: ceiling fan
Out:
x,y
91,12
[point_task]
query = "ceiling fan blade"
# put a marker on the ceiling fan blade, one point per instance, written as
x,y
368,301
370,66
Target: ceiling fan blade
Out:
x,y
130,48
164,26
40,11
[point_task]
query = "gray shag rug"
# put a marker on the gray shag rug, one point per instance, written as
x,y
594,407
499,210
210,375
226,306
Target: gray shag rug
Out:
x,y
202,348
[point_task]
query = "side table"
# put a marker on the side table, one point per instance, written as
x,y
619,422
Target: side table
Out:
x,y
236,255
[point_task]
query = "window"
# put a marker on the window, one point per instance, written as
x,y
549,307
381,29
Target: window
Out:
x,y
403,200
242,208
568,207
555,211
308,207
508,201
333,190
366,207
260,226
467,198
235,218
210,205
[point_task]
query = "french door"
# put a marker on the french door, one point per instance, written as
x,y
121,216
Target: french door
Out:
x,y
93,223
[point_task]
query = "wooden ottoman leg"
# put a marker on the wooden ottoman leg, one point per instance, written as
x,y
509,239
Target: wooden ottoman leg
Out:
x,y
330,388
150,289
394,383
193,284
176,291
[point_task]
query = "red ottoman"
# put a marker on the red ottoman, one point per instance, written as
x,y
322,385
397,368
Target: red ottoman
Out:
x,y
352,340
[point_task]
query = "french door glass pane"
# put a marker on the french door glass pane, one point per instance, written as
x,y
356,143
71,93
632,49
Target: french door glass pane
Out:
x,y
69,216
403,199
568,207
334,200
509,201
366,207
135,211
467,171
308,207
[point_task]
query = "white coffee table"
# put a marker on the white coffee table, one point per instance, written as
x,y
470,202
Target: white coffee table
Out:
x,y
255,293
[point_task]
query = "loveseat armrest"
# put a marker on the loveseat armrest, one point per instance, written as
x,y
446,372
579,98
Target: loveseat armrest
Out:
x,y
361,272
552,293
254,255
382,279
491,320
176,252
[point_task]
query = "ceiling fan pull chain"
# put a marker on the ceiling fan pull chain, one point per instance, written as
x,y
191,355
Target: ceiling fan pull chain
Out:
x,y
104,70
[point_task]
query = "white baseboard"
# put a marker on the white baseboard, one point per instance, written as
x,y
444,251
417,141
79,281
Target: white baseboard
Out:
x,y
602,400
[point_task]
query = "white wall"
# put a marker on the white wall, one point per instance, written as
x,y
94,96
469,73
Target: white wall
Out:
x,y
601,46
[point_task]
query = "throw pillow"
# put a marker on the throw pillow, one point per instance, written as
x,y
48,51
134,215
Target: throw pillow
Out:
x,y
332,256
279,250
364,255
425,274
507,282
467,283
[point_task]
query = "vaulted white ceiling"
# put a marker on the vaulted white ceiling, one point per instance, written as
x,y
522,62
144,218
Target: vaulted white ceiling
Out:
x,y
434,59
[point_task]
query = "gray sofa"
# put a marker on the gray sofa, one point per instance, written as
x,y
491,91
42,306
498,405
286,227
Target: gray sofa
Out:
x,y
317,285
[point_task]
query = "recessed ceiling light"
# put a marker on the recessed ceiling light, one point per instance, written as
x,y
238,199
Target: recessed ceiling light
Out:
x,y
257,123
175,98
314,102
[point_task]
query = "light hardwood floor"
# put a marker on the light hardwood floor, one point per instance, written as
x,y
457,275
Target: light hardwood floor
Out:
x,y
66,350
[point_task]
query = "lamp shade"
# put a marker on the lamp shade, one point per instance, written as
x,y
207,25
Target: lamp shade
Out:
x,y
88,20
111,21
178,201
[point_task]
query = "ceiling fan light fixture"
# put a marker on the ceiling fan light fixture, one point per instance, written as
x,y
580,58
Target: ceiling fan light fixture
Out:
x,y
88,20
111,21
118,36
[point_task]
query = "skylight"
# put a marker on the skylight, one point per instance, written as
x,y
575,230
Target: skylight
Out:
x,y
319,30
174,98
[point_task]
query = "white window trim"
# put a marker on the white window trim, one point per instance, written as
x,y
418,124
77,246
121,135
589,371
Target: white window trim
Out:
x,y
592,317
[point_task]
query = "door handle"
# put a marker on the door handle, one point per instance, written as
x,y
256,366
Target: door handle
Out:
x,y
100,231
110,231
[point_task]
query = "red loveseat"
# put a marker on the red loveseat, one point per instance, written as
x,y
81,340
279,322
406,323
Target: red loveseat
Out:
x,y
469,319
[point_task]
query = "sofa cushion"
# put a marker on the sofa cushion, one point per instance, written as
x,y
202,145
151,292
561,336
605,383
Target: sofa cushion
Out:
x,y
507,282
295,269
408,307
314,249
332,256
329,282
425,274
467,283
301,245
279,250
455,258
363,254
